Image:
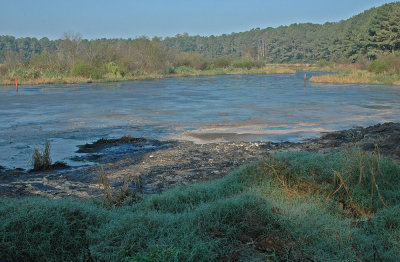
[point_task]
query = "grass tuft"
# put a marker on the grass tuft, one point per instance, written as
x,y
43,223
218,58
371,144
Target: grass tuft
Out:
x,y
357,180
41,160
113,197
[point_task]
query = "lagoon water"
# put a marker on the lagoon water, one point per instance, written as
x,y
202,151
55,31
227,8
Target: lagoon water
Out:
x,y
202,109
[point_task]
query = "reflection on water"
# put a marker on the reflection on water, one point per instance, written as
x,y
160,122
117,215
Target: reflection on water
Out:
x,y
215,108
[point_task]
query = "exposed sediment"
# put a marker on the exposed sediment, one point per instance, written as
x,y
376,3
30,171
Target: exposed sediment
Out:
x,y
156,166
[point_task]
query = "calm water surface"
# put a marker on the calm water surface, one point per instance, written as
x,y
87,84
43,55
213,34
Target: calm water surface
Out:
x,y
204,109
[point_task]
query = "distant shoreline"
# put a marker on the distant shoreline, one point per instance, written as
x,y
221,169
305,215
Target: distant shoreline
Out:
x,y
343,74
269,69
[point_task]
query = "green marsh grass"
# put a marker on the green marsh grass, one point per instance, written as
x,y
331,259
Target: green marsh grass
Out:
x,y
282,208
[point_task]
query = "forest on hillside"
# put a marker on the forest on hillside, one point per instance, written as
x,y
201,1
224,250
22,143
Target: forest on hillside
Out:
x,y
364,36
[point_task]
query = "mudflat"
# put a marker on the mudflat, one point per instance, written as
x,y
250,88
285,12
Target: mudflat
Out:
x,y
159,165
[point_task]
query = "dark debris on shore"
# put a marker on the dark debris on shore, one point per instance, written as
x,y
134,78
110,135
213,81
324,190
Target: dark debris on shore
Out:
x,y
102,143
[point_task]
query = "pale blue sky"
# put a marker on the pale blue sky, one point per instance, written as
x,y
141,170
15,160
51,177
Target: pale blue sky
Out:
x,y
134,18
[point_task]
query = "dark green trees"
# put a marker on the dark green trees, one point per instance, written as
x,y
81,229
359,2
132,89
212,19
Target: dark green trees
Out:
x,y
384,30
366,35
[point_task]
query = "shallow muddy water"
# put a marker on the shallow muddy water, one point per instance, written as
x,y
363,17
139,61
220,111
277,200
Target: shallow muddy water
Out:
x,y
201,109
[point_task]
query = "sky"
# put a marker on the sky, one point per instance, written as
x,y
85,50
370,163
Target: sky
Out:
x,y
135,18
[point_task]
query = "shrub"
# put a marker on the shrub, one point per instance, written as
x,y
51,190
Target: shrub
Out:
x,y
43,61
184,69
51,73
138,72
193,60
85,70
389,64
3,69
378,67
115,70
171,70
222,62
27,73
248,64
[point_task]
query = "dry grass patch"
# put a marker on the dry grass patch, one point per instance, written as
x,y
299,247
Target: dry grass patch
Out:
x,y
353,78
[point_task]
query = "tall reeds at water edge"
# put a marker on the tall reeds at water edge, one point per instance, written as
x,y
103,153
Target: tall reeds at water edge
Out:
x,y
41,160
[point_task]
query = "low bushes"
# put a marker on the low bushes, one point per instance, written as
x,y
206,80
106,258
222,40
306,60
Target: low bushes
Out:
x,y
84,70
115,70
222,62
26,73
248,64
386,64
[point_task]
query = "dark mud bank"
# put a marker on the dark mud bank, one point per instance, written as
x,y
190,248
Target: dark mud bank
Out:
x,y
155,165
112,150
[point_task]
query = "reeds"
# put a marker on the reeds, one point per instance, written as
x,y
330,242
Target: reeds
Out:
x,y
41,160
352,78
114,197
355,178
355,76
366,180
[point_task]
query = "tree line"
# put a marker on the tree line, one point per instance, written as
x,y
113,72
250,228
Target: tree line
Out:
x,y
29,58
364,37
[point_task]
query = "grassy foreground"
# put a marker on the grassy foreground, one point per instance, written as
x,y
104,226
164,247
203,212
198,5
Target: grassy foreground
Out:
x,y
174,72
294,206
